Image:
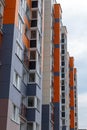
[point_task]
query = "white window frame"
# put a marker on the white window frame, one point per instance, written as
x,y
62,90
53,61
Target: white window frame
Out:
x,y
15,113
18,50
20,24
16,80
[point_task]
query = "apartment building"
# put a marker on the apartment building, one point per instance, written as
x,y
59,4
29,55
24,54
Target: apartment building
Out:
x,y
47,90
64,81
20,70
38,80
56,69
76,99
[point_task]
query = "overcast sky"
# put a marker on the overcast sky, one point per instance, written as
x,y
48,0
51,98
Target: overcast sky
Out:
x,y
74,15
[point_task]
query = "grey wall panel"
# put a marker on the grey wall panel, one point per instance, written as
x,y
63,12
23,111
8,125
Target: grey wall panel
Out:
x,y
5,60
15,96
31,90
45,117
31,114
56,116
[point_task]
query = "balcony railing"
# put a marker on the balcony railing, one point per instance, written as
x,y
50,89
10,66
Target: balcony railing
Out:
x,y
23,110
26,57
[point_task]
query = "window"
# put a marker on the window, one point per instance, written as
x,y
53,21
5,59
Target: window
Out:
x,y
63,88
62,47
63,108
63,122
62,82
32,43
34,14
62,69
33,23
32,77
38,104
62,58
20,24
63,100
25,77
37,126
32,65
33,34
18,51
63,95
32,55
30,126
16,80
34,4
31,102
62,63
63,114
63,51
15,113
62,75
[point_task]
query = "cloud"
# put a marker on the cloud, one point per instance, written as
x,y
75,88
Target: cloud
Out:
x,y
82,101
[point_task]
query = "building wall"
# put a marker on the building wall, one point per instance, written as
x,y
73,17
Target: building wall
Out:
x,y
72,99
15,56
47,91
64,81
56,70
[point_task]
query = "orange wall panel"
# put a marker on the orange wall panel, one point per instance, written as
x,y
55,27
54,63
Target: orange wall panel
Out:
x,y
57,60
11,12
57,10
72,119
56,89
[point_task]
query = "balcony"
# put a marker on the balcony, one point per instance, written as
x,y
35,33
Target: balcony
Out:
x,y
23,110
26,57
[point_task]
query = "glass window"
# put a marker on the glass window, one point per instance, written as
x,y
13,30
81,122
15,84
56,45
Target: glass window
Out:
x,y
63,108
32,55
63,100
30,101
63,122
63,88
30,126
33,34
38,104
34,14
20,24
34,4
63,114
15,113
32,77
16,80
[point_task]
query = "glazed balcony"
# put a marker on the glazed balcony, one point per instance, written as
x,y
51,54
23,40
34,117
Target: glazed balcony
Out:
x,y
23,111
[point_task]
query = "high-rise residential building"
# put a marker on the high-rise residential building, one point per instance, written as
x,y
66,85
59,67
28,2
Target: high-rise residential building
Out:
x,y
38,80
20,69
73,95
47,82
64,81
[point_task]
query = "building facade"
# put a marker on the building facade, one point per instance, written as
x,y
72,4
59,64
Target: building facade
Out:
x,y
38,80
20,72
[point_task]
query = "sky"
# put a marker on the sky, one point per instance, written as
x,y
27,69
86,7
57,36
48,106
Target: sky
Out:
x,y
74,17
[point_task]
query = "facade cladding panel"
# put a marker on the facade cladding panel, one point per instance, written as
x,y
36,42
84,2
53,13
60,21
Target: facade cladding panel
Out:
x,y
56,84
29,100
